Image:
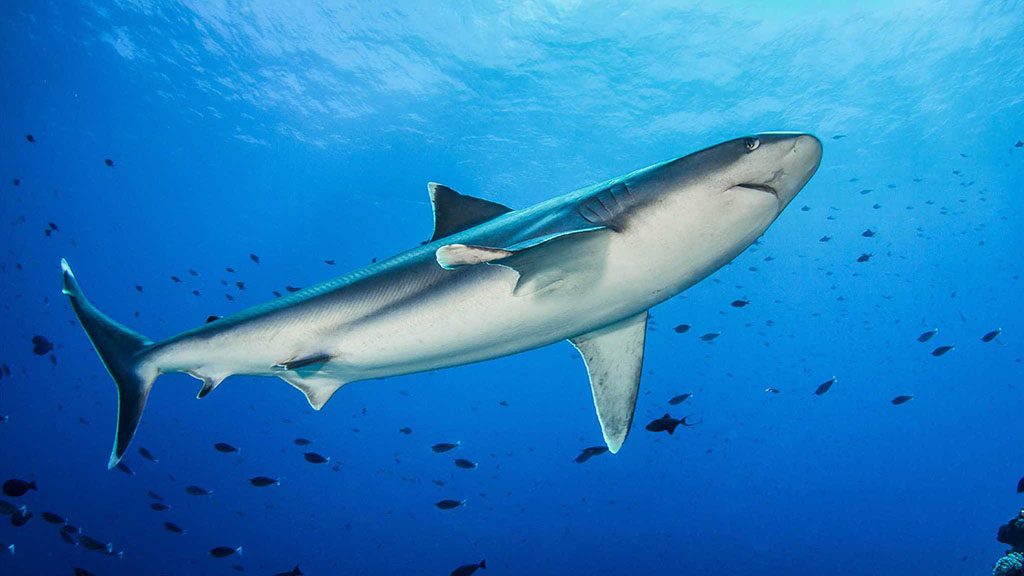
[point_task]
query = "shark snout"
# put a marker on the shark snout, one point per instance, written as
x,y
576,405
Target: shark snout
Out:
x,y
793,157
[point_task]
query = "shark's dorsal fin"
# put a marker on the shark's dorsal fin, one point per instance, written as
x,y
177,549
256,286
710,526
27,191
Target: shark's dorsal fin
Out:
x,y
614,356
540,262
454,212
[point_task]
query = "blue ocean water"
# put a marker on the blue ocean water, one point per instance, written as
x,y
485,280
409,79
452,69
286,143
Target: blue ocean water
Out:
x,y
303,132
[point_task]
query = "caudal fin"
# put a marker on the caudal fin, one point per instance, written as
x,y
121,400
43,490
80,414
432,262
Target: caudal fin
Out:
x,y
122,352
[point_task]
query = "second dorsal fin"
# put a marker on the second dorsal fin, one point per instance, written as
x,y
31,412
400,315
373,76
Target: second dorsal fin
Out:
x,y
454,212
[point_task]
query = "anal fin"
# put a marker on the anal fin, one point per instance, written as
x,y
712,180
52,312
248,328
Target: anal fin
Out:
x,y
614,356
310,375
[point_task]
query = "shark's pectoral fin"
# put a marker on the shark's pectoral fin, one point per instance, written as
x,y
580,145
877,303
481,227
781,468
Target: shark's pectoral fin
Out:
x,y
454,212
540,262
614,356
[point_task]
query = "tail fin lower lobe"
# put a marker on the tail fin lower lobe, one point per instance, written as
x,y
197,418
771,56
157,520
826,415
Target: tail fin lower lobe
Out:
x,y
123,353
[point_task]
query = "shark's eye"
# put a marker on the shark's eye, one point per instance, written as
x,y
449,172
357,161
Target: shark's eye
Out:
x,y
751,144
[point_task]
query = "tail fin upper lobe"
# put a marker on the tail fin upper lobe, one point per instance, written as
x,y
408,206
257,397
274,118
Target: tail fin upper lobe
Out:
x,y
123,353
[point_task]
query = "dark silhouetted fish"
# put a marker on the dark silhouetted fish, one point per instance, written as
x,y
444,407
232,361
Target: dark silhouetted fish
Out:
x,y
406,430
212,318
465,464
468,569
740,303
108,162
90,543
172,527
16,487
901,400
772,390
52,518
992,335
41,346
82,572
263,481
154,495
869,233
666,424
145,453
1020,486
20,517
314,458
254,258
710,336
864,257
225,447
682,328
941,350
824,239
442,447
449,504
292,288
293,572
175,279
124,468
225,551
302,442
824,386
159,507
30,138
197,490
677,400
588,453
926,336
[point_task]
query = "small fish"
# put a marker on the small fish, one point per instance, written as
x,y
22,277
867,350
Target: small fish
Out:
x,y
901,400
468,569
710,336
254,258
864,257
941,350
16,487
740,303
30,138
682,328
825,386
82,572
292,288
926,336
240,285
52,518
314,458
224,447
449,504
666,424
990,336
677,400
405,430
212,318
824,239
108,162
147,454
264,481
442,447
41,346
20,517
772,390
1020,486
302,442
869,233
95,545
465,464
225,551
329,262
121,466
197,490
588,453
175,279
172,527
839,136
293,572
138,288
159,507
154,495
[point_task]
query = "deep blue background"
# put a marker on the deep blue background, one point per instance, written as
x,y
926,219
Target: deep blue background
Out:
x,y
303,132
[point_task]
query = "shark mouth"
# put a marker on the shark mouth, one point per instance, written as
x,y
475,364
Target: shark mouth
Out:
x,y
761,187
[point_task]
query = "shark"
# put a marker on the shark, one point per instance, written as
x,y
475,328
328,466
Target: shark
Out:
x,y
586,267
